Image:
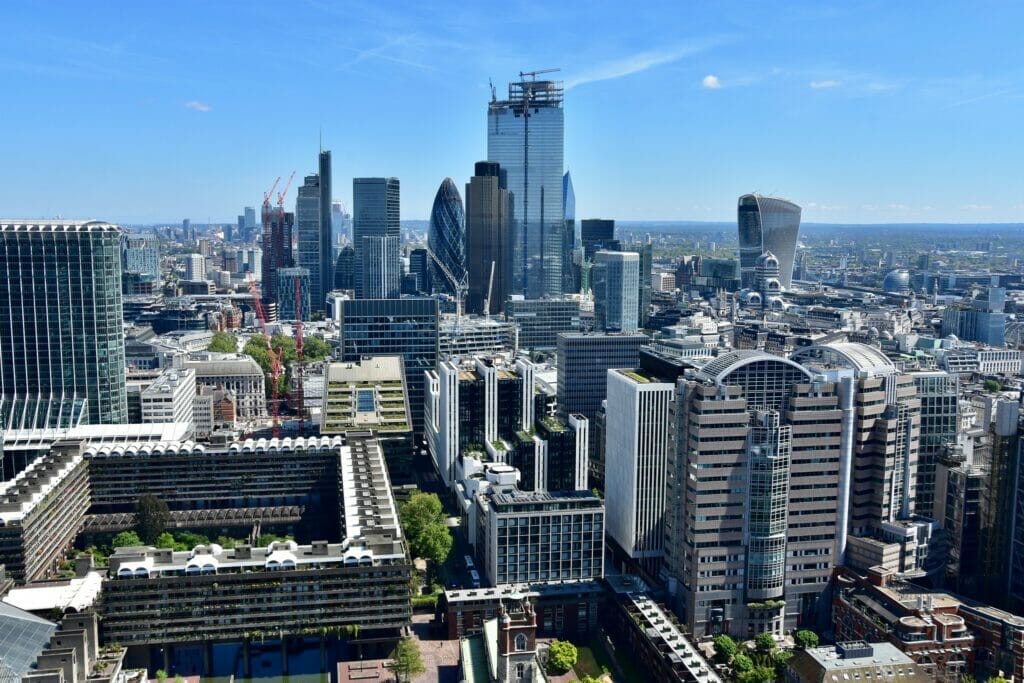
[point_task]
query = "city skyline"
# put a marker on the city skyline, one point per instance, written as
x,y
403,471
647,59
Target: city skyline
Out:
x,y
853,135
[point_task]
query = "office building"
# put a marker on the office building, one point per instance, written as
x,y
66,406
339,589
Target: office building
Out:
x,y
597,234
767,224
61,317
539,536
249,224
213,409
446,238
170,396
615,280
541,320
939,393
755,494
307,228
525,135
344,268
646,251
489,236
638,431
390,327
854,661
419,271
277,250
195,267
239,374
476,336
142,256
376,213
570,275
982,321
325,272
293,295
382,268
583,364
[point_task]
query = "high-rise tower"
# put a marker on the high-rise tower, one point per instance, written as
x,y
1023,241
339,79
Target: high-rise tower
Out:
x,y
526,135
447,236
767,224
307,227
325,255
616,278
488,237
60,315
376,213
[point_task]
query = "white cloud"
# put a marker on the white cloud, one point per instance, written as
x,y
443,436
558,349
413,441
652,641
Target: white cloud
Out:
x,y
818,85
641,61
196,105
711,82
976,207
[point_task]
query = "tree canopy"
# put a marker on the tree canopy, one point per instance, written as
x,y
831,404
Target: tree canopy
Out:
x,y
151,517
406,660
725,648
425,530
126,539
223,342
759,674
742,663
561,657
764,642
805,638
315,348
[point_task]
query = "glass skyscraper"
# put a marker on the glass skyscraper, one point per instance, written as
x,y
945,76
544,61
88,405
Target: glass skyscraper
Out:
x,y
60,315
307,227
313,227
447,237
488,237
526,135
376,213
570,283
616,277
767,224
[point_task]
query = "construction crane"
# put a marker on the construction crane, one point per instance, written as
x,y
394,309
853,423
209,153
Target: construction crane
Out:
x,y
275,361
460,286
282,193
490,287
300,390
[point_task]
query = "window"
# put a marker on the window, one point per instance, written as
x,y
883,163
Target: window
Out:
x,y
520,643
520,669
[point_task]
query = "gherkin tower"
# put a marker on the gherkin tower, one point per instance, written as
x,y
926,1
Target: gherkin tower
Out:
x,y
447,237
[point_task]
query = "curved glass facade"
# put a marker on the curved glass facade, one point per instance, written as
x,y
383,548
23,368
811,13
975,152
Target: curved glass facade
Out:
x,y
447,236
767,224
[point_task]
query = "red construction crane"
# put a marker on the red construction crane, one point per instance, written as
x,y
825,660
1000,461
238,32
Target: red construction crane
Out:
x,y
275,361
282,193
300,390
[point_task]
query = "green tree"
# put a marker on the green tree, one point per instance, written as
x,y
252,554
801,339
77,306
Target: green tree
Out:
x,y
161,675
166,540
996,679
223,342
725,648
151,517
315,348
434,543
780,660
742,663
406,660
588,679
190,540
759,674
419,512
991,385
561,657
764,642
805,638
126,539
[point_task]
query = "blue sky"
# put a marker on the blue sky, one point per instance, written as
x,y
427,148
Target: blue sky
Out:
x,y
858,111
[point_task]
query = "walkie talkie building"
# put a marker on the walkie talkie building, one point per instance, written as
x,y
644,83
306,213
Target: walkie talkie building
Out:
x,y
767,224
